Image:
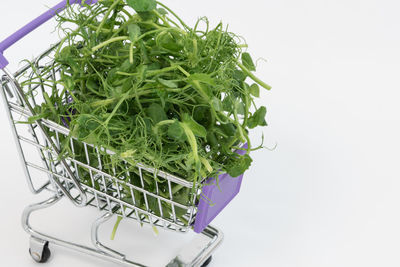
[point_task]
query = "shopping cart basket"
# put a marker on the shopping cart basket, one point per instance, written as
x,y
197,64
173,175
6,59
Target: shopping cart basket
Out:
x,y
39,143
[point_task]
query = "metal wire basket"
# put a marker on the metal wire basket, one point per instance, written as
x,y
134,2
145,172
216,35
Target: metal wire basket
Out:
x,y
86,181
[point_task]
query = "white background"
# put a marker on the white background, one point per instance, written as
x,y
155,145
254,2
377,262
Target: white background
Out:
x,y
328,195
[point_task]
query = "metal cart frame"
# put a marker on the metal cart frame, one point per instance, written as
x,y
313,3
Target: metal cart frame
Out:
x,y
104,191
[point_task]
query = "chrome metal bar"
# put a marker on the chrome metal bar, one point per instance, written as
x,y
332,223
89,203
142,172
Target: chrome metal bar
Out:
x,y
200,249
41,154
91,175
95,237
172,199
59,242
44,54
144,191
18,144
159,201
36,248
113,199
113,178
56,127
103,180
83,198
134,203
7,89
67,173
194,255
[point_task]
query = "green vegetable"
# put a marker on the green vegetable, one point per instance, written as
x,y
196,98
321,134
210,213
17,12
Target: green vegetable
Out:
x,y
255,90
248,61
258,118
142,5
147,86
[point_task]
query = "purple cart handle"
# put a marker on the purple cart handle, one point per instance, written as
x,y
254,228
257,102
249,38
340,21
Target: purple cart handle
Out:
x,y
7,43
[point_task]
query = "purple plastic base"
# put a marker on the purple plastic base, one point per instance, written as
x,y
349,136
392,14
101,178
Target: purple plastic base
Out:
x,y
215,198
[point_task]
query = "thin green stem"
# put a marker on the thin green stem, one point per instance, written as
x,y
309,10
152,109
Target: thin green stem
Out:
x,y
175,15
253,77
116,2
187,74
112,40
131,53
161,17
114,232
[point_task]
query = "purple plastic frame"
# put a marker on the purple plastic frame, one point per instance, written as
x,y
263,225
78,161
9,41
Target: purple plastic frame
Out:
x,y
18,35
214,197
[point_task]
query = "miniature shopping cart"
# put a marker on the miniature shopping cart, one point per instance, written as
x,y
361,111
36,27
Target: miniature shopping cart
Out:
x,y
46,169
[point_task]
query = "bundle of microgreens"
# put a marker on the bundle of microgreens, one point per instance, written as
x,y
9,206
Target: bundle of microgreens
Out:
x,y
142,83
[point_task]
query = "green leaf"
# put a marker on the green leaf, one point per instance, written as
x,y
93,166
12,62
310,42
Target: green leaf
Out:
x,y
125,66
239,75
170,41
167,83
86,127
154,66
175,131
196,128
216,104
212,139
203,78
248,62
134,32
142,5
162,11
202,114
156,113
229,129
201,82
239,165
35,118
258,118
163,95
228,103
240,109
255,90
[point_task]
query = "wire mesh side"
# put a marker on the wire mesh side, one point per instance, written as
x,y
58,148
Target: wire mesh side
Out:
x,y
138,192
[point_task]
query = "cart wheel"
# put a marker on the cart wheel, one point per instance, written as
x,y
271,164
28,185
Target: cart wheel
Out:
x,y
207,262
45,255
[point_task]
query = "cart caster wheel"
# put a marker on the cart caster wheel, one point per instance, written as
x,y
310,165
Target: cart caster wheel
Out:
x,y
207,262
41,257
